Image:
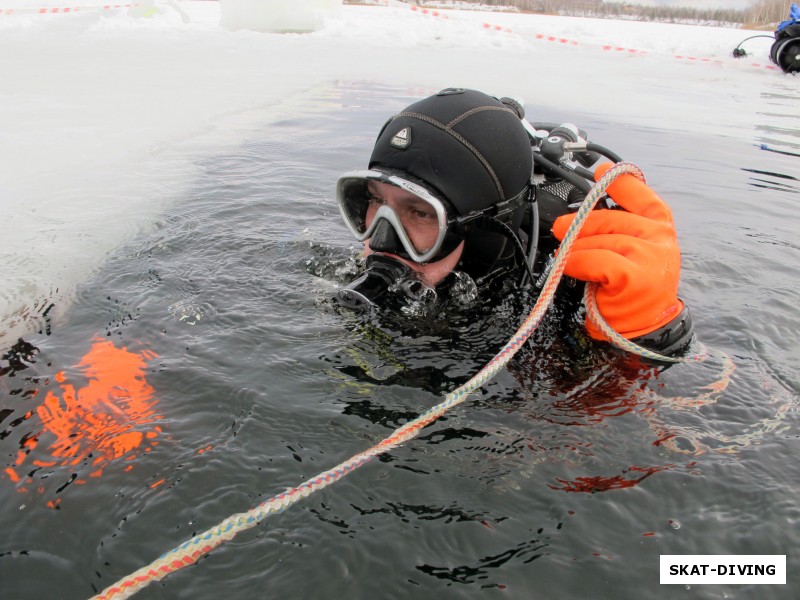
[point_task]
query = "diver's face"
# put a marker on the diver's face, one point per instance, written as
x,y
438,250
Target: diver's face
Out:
x,y
421,225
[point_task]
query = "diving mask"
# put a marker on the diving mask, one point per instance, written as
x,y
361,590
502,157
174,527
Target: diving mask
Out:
x,y
417,228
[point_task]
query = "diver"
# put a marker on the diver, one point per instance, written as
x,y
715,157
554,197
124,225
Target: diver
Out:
x,y
461,183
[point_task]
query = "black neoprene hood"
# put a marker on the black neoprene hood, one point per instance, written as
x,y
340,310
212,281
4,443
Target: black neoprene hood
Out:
x,y
468,146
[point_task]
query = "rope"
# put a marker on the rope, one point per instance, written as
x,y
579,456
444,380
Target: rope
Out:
x,y
192,550
590,301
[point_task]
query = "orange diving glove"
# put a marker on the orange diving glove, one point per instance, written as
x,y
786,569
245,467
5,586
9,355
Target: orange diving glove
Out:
x,y
632,255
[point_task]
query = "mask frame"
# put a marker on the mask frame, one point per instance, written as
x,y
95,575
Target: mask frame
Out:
x,y
352,199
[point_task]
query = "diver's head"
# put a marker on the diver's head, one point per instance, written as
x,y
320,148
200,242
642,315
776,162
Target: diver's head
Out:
x,y
440,172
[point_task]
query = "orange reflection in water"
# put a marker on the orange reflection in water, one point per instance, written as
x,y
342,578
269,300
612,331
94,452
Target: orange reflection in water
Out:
x,y
112,416
592,485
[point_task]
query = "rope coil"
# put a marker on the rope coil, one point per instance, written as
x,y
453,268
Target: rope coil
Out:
x,y
192,550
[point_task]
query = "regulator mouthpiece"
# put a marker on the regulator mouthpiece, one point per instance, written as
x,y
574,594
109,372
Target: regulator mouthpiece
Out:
x,y
373,286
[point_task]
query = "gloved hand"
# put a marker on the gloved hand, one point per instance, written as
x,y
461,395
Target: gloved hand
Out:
x,y
632,255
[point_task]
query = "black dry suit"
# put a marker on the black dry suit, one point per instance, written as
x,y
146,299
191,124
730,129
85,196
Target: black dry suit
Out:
x,y
472,152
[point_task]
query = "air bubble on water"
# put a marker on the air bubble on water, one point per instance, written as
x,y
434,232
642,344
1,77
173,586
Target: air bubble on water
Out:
x,y
191,311
464,291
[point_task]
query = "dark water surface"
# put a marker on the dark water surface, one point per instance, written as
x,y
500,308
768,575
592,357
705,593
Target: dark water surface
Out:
x,y
202,371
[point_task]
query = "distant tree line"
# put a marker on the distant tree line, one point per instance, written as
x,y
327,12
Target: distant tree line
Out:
x,y
760,13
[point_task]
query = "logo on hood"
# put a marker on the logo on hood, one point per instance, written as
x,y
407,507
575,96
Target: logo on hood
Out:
x,y
402,139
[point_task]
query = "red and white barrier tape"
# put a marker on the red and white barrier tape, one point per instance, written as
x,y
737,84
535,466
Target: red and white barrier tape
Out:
x,y
428,12
605,47
62,9
568,42
414,8
612,48
501,28
718,61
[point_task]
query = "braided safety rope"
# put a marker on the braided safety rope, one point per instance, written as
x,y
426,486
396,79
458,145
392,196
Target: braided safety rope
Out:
x,y
192,550
590,301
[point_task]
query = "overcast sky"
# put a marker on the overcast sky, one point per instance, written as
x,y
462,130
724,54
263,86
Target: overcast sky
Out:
x,y
691,3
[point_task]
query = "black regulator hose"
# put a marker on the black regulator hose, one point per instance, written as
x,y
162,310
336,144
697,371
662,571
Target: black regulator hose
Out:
x,y
569,176
584,172
610,154
533,242
739,52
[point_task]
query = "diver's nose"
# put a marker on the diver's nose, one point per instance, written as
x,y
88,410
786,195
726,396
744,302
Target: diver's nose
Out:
x,y
385,239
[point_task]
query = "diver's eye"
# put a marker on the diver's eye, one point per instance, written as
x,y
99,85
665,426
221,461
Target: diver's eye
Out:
x,y
420,211
423,214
